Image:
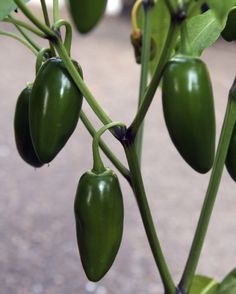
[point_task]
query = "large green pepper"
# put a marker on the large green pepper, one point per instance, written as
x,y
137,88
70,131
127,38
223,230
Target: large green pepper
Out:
x,y
86,13
231,156
189,110
54,109
22,131
229,32
99,214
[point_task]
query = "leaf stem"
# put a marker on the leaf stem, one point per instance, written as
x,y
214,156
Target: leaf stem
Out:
x,y
139,191
56,16
47,22
45,12
121,168
40,25
25,25
146,47
194,255
151,90
21,40
25,35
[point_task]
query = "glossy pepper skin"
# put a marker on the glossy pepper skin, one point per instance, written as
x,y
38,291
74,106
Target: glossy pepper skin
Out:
x,y
99,217
229,32
231,156
54,110
189,110
22,131
86,13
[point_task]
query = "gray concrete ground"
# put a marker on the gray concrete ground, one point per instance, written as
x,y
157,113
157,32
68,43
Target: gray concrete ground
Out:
x,y
38,251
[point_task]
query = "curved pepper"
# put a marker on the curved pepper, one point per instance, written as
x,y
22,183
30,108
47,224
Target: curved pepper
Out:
x,y
99,217
22,131
86,13
189,110
54,110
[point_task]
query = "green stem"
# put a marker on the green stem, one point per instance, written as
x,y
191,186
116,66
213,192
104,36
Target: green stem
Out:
x,y
171,6
47,22
41,57
211,194
121,168
25,25
185,47
26,36
81,85
139,191
98,166
45,13
68,36
23,41
146,47
56,16
44,28
151,90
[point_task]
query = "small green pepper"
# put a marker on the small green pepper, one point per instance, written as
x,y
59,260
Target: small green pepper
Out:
x,y
189,110
54,109
99,217
86,13
22,130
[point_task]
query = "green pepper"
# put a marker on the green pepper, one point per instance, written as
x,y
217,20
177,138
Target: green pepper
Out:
x,y
54,109
99,217
22,130
229,32
231,156
189,110
86,13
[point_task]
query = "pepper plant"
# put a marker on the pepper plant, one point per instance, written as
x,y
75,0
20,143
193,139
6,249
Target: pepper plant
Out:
x,y
168,37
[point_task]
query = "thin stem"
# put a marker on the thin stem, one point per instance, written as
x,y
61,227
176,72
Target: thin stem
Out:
x,y
185,47
56,16
68,35
98,166
18,38
47,21
26,36
41,57
81,85
171,6
25,25
146,47
44,28
151,90
121,168
211,194
139,191
134,12
45,12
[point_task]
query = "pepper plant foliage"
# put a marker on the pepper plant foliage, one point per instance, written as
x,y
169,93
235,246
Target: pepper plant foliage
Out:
x,y
168,37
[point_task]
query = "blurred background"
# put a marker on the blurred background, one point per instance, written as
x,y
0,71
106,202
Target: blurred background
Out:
x,y
38,250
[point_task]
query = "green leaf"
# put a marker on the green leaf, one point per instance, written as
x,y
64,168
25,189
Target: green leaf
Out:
x,y
160,18
228,285
6,7
221,9
203,285
203,31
